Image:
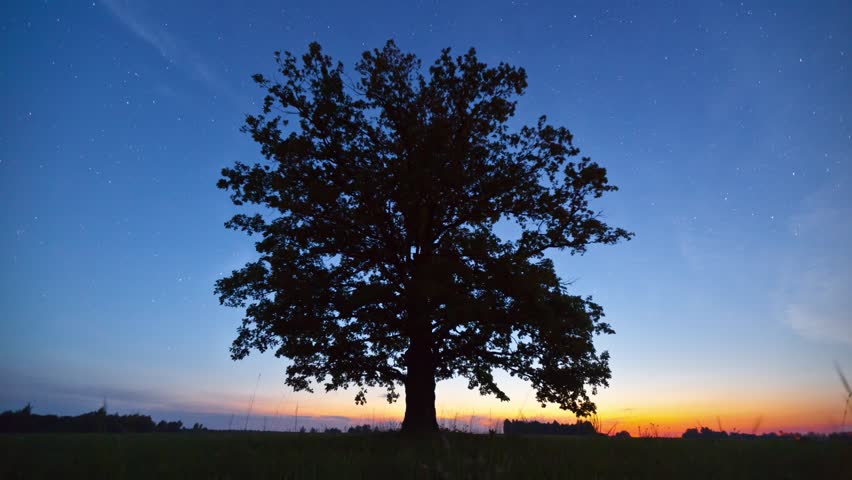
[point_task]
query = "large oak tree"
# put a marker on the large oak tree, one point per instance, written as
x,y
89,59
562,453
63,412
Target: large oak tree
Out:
x,y
376,207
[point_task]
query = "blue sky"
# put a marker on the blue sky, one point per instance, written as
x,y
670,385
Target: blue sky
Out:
x,y
726,126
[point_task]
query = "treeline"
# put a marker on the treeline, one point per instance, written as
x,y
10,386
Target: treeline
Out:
x,y
522,427
710,434
99,421
354,429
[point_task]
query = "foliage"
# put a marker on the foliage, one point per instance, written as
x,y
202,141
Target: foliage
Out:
x,y
376,207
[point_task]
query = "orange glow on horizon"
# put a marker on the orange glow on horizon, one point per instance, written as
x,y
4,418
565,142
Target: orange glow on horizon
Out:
x,y
659,420
639,409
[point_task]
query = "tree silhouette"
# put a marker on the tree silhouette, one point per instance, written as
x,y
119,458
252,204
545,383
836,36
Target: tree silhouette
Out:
x,y
376,207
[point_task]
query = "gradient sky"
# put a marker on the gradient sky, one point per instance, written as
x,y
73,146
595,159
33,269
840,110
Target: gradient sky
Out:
x,y
726,125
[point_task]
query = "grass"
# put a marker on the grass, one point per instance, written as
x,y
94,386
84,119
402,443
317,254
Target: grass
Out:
x,y
219,455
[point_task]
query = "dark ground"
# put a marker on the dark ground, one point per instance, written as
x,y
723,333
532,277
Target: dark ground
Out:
x,y
213,455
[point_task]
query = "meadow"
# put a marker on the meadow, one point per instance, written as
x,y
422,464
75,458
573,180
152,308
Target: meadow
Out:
x,y
226,455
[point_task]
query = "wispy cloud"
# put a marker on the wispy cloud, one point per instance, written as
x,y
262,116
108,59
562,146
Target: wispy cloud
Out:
x,y
822,308
817,304
170,46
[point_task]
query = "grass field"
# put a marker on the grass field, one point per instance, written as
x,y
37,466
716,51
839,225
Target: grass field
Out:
x,y
218,455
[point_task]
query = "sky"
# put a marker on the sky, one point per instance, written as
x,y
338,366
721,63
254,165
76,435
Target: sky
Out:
x,y
726,125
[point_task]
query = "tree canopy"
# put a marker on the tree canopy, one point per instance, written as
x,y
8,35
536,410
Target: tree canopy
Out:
x,y
376,205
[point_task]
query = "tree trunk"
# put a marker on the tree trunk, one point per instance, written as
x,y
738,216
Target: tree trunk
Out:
x,y
420,416
420,364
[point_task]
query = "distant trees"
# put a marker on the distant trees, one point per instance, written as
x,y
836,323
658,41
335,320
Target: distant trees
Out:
x,y
704,433
523,427
98,421
375,207
361,429
165,426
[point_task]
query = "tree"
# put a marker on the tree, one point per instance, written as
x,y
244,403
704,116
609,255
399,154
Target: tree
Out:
x,y
376,207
